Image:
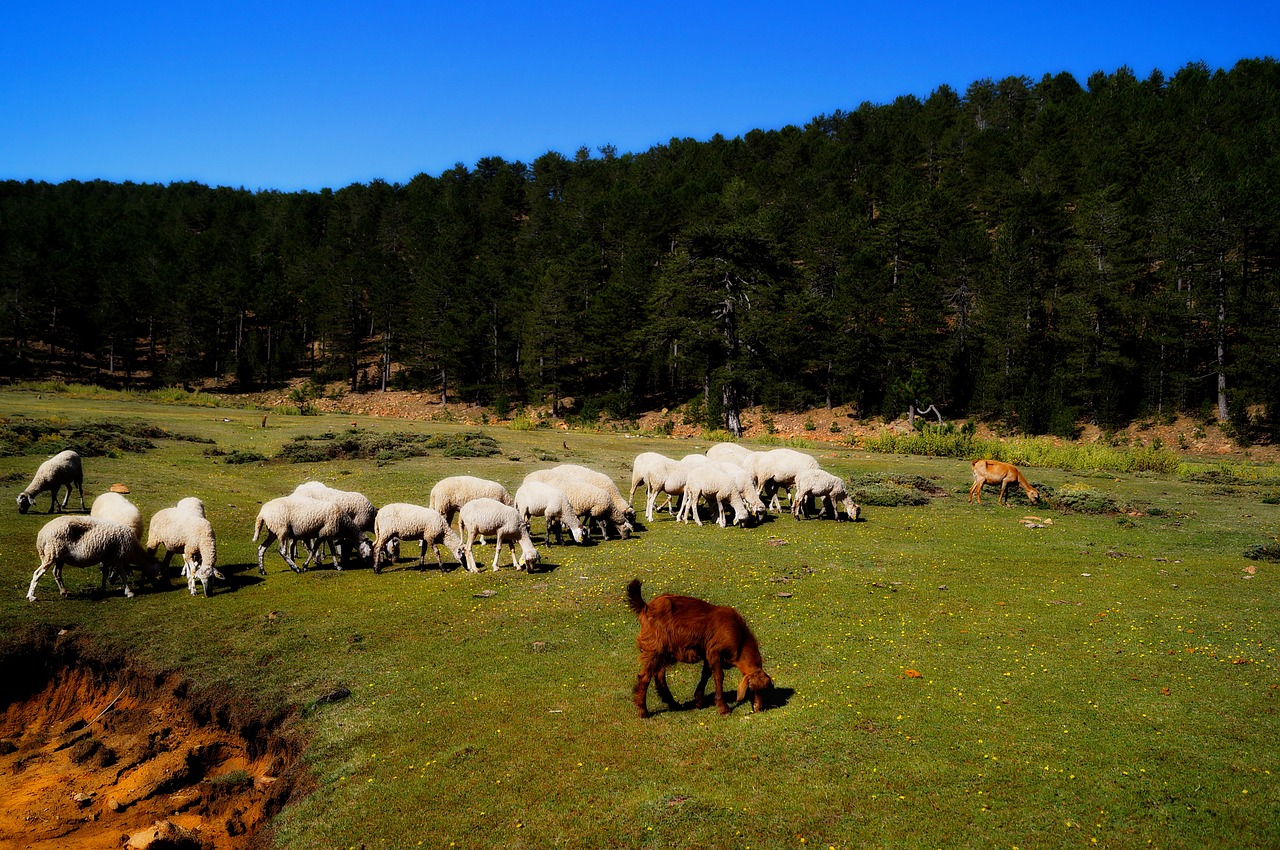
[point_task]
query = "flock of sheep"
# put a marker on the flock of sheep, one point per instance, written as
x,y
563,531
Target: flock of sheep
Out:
x,y
569,497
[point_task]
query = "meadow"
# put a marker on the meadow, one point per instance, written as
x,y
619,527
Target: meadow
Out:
x,y
951,675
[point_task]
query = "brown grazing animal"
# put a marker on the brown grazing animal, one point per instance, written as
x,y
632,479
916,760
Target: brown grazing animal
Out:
x,y
682,628
995,472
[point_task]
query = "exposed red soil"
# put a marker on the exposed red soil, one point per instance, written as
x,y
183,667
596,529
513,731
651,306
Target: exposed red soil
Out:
x,y
103,756
819,425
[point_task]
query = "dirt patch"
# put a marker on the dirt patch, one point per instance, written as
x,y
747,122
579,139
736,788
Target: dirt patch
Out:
x,y
95,753
839,425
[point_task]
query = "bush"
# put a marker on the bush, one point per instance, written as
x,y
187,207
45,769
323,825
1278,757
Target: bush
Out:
x,y
386,447
238,457
1082,499
892,490
948,441
104,438
1263,552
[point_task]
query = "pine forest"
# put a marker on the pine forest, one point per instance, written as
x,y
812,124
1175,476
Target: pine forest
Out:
x,y
1033,253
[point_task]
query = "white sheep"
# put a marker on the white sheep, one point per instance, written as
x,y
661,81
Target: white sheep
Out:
x,y
827,488
489,516
589,502
183,530
191,504
746,487
536,498
355,505
453,492
708,481
115,507
730,453
659,474
599,479
402,521
315,522
777,469
85,541
61,470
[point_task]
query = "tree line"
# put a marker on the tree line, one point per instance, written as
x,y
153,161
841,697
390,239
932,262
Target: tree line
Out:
x,y
1037,254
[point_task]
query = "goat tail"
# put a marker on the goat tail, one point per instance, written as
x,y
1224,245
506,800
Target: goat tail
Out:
x,y
634,599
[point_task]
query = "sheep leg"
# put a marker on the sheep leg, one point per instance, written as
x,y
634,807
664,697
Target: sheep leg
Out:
x,y
57,577
124,578
262,570
35,577
284,553
66,498
497,551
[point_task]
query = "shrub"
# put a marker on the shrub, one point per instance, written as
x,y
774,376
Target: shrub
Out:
x,y
238,457
1078,497
386,447
104,438
892,490
1263,552
947,441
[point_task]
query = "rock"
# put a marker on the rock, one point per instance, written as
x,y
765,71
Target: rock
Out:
x,y
164,835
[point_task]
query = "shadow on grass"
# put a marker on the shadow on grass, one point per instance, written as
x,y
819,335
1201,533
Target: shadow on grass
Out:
x,y
778,698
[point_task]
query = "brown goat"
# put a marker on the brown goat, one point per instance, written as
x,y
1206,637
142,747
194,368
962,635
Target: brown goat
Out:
x,y
684,629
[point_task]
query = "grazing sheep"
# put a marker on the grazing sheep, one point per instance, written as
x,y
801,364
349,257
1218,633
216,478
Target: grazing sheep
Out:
x,y
191,504
61,470
85,541
534,498
588,501
599,479
659,474
683,628
717,487
828,488
777,469
730,453
453,492
355,505
115,507
504,522
746,487
315,522
183,530
401,521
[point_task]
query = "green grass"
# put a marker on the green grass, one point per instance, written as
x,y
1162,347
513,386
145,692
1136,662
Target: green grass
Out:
x,y
1107,677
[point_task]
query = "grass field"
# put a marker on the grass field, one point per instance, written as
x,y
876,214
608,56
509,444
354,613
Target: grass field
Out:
x,y
1104,680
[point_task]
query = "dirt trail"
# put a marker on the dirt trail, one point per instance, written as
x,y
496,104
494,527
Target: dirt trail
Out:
x,y
102,753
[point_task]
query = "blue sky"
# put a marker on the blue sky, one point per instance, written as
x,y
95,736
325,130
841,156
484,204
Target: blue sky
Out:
x,y
297,95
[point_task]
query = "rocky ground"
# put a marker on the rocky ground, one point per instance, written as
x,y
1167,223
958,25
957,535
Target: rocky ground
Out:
x,y
837,425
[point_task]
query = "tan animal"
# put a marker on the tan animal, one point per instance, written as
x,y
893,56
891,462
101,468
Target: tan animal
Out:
x,y
996,472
